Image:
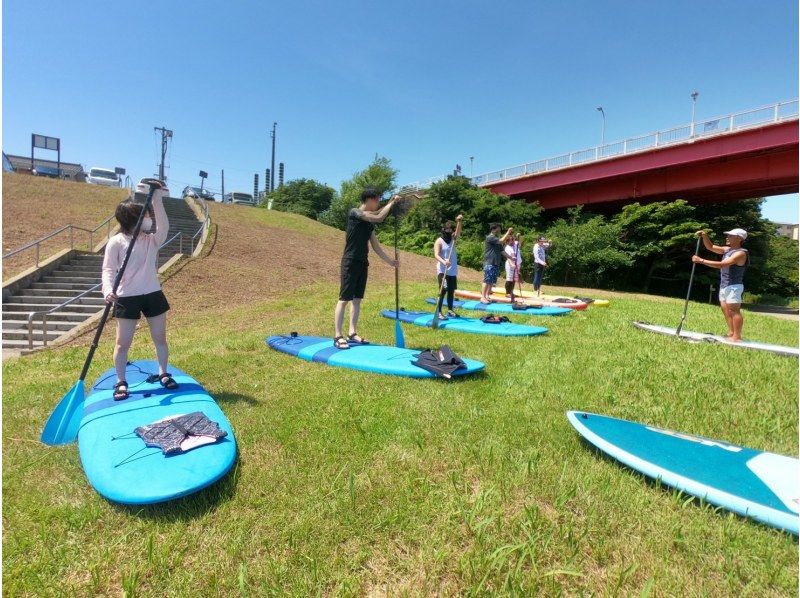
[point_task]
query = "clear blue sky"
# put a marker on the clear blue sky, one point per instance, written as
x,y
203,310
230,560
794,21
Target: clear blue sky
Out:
x,y
427,84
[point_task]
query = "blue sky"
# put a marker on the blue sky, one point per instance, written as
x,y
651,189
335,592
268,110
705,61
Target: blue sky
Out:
x,y
427,84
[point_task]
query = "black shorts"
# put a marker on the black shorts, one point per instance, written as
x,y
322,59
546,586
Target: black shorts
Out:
x,y
151,305
353,279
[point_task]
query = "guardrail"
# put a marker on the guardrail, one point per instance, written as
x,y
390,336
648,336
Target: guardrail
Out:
x,y
44,313
36,245
723,125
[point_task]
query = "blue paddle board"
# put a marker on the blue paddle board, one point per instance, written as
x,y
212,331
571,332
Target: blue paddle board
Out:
x,y
471,325
505,308
379,359
117,462
751,483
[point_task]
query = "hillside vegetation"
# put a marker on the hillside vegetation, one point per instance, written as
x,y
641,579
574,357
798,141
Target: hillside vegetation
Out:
x,y
34,207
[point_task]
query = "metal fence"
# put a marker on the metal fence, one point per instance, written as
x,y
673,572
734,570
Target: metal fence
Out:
x,y
723,125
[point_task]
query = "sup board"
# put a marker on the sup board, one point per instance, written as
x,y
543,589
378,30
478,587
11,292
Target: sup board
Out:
x,y
532,295
472,325
378,359
476,296
120,466
505,308
714,338
762,486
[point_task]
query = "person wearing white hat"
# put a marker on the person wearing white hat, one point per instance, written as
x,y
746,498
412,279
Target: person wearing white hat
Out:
x,y
734,262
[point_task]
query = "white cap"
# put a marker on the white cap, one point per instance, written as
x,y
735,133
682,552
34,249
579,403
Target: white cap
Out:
x,y
738,232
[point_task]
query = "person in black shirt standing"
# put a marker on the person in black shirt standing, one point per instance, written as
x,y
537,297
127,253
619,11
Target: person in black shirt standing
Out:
x,y
355,265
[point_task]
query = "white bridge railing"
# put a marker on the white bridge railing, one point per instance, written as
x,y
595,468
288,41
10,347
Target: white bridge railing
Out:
x,y
722,125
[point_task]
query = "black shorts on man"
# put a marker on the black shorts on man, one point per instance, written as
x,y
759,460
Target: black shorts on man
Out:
x,y
353,279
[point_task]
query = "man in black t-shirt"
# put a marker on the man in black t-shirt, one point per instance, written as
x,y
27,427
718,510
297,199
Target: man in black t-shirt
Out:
x,y
360,235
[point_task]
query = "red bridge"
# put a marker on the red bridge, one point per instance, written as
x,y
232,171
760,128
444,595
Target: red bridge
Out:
x,y
748,154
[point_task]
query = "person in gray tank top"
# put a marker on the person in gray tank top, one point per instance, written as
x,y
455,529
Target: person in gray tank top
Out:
x,y
732,266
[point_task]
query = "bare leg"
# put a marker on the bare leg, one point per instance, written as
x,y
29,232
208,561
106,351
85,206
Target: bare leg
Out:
x,y
355,311
726,312
734,309
486,288
158,332
125,330
339,317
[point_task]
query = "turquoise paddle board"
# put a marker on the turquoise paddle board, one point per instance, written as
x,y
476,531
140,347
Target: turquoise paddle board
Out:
x,y
471,325
751,483
374,358
505,308
120,466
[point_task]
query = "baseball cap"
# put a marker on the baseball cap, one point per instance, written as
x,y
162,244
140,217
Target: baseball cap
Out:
x,y
737,232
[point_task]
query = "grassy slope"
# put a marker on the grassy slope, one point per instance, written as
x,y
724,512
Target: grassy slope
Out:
x,y
355,483
36,206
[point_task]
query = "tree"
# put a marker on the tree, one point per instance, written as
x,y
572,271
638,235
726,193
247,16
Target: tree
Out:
x,y
301,196
657,236
586,250
379,175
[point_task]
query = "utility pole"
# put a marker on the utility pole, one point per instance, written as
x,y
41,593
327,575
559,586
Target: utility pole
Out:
x,y
223,185
603,130
694,103
272,169
166,135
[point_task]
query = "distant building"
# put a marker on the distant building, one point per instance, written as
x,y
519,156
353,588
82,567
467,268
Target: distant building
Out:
x,y
69,171
787,230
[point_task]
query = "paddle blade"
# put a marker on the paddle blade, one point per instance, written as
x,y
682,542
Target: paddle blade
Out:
x,y
62,426
400,340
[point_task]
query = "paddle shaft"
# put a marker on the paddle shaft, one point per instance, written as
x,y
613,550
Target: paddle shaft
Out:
x,y
117,280
689,290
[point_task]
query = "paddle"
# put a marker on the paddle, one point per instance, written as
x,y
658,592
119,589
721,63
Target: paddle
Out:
x,y
689,291
399,339
62,425
435,322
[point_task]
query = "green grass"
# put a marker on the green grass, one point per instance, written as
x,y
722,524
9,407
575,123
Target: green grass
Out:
x,y
349,483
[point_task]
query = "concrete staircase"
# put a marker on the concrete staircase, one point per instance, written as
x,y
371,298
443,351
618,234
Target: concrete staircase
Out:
x,y
77,276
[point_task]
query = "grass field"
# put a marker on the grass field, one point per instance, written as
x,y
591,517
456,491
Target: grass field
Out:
x,y
350,483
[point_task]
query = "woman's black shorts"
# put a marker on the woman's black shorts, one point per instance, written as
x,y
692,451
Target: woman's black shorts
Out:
x,y
151,305
353,280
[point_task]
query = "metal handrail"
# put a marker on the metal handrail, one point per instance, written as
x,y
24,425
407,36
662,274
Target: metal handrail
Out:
x,y
71,228
723,125
45,313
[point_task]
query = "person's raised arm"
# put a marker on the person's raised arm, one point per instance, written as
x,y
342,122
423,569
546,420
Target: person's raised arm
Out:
x,y
708,244
505,236
162,222
380,215
459,220
376,246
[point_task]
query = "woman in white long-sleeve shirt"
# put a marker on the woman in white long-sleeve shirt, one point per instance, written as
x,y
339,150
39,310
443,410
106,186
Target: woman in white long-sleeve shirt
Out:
x,y
139,291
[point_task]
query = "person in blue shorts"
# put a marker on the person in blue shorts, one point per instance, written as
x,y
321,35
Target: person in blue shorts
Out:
x,y
734,262
493,257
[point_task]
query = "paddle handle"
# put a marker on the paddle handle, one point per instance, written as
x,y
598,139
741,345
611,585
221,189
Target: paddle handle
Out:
x,y
117,280
688,291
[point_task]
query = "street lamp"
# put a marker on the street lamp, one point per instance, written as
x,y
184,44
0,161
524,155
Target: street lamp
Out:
x,y
694,103
603,130
471,159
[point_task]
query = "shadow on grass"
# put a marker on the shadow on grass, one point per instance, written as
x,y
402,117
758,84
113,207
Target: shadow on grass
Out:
x,y
234,397
681,495
188,507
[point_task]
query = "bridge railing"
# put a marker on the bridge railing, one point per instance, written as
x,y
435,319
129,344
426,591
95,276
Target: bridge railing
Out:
x,y
731,123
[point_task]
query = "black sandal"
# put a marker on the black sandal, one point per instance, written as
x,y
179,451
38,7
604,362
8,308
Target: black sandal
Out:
x,y
340,343
355,338
121,395
170,384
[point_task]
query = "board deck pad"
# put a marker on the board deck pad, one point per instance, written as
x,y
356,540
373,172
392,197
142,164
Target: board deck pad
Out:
x,y
379,359
714,338
471,325
505,308
762,486
117,462
476,296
